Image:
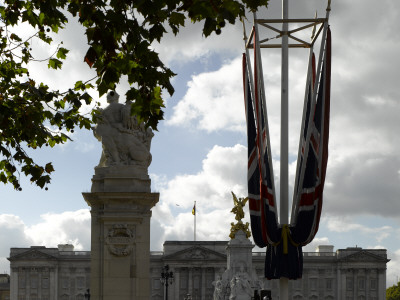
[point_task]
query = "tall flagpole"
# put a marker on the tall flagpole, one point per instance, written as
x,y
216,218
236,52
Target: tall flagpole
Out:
x,y
284,169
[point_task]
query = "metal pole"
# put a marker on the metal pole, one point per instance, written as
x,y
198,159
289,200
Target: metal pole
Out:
x,y
166,289
284,171
195,213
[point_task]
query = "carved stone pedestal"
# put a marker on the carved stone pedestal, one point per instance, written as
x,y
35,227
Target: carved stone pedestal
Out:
x,y
239,254
120,203
238,281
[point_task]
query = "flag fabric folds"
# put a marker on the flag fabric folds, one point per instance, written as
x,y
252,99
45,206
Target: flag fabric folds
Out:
x,y
194,210
313,157
284,242
261,193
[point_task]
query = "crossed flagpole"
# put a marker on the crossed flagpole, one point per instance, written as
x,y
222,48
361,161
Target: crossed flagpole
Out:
x,y
285,34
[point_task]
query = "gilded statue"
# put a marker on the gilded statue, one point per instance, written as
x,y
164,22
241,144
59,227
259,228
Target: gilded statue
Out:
x,y
239,215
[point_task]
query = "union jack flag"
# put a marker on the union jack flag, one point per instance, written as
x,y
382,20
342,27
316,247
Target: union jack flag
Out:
x,y
313,155
261,192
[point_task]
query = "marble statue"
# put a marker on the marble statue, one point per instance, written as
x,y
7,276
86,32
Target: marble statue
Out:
x,y
240,289
124,140
218,289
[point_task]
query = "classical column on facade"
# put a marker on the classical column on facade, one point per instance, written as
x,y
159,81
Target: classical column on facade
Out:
x,y
14,283
121,202
355,283
177,281
203,282
190,280
367,287
382,283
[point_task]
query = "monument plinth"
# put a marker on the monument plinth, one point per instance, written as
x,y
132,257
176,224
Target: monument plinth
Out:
x,y
239,281
121,202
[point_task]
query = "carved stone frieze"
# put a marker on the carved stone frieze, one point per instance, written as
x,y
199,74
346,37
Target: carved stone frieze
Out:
x,y
120,240
197,254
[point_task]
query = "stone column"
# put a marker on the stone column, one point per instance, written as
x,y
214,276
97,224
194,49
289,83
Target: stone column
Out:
x,y
354,272
14,283
190,280
203,283
120,202
177,281
381,284
339,283
367,284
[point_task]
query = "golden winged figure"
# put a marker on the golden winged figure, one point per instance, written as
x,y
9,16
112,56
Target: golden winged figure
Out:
x,y
239,204
239,215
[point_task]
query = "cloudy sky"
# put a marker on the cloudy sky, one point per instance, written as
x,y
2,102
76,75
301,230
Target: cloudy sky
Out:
x,y
199,152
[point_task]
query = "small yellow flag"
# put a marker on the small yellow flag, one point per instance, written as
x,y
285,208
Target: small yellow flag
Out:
x,y
194,210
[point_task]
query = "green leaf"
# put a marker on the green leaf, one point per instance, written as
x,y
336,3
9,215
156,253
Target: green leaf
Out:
x,y
79,86
54,63
87,98
177,19
62,53
3,177
15,37
41,18
49,168
118,45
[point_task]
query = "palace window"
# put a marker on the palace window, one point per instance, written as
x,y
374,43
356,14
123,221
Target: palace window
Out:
x,y
349,283
45,282
328,284
34,282
361,283
313,283
373,284
80,282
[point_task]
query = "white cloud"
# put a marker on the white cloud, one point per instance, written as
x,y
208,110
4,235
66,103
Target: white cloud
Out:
x,y
345,224
363,184
190,45
214,100
12,234
317,241
71,227
223,171
393,268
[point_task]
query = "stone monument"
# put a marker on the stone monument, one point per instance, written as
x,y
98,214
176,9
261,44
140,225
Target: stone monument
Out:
x,y
121,202
239,280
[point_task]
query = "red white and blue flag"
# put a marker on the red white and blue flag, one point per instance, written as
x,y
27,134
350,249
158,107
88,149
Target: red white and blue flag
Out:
x,y
261,192
284,242
313,155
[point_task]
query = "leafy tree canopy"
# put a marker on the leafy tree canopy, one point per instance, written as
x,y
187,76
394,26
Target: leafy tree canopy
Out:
x,y
393,293
119,36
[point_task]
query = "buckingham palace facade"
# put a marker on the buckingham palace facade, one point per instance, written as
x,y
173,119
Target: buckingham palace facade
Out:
x,y
40,273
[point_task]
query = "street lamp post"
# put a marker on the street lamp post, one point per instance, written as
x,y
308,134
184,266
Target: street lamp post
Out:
x,y
167,277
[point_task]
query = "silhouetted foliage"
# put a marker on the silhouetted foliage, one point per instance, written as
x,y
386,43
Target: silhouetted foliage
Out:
x,y
119,36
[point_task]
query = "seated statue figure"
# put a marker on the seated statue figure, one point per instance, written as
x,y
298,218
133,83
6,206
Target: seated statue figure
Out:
x,y
124,140
240,286
218,289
